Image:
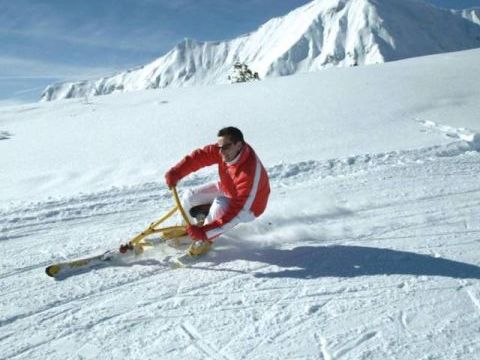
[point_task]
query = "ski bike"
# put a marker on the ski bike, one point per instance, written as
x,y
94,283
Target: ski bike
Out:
x,y
143,241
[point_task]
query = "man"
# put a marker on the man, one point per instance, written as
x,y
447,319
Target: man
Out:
x,y
240,196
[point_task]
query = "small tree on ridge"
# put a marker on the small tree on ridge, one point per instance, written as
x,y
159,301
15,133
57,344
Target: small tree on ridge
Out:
x,y
241,73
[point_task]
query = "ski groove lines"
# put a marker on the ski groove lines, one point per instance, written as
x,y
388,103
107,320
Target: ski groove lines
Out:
x,y
475,300
355,343
201,344
93,294
267,315
323,347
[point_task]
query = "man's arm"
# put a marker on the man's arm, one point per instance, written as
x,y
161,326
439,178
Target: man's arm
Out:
x,y
198,159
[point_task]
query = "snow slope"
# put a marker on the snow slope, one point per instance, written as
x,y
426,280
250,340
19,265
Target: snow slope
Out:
x,y
320,34
472,15
125,140
369,248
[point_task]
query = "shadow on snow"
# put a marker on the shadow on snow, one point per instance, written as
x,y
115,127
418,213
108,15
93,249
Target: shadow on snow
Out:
x,y
308,262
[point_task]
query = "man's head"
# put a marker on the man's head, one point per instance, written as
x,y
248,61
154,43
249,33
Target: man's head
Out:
x,y
230,142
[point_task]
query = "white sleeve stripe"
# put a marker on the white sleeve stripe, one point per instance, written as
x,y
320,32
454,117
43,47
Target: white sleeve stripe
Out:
x,y
246,207
256,182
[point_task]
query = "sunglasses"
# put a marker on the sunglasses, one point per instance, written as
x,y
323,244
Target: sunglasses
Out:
x,y
224,147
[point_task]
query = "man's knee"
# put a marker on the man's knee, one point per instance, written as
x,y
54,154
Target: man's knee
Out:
x,y
218,208
187,195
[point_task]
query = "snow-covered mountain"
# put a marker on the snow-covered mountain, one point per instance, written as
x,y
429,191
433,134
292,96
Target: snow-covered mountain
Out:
x,y
470,14
320,34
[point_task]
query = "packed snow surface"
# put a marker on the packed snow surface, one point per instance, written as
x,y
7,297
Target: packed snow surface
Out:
x,y
369,248
315,36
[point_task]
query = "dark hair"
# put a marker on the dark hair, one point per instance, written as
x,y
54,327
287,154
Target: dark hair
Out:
x,y
232,132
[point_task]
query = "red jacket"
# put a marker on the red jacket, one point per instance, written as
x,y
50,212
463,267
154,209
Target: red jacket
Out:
x,y
244,182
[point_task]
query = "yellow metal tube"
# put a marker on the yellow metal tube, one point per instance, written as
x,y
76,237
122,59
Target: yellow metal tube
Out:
x,y
179,205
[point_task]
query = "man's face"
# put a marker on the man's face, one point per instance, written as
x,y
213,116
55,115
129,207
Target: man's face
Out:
x,y
228,149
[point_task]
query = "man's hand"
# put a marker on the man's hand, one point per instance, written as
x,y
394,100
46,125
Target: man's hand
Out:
x,y
171,178
196,233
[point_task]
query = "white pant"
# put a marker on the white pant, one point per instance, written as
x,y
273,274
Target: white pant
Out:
x,y
206,194
211,193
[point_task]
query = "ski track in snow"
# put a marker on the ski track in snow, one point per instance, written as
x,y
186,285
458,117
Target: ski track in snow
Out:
x,y
203,346
475,300
260,299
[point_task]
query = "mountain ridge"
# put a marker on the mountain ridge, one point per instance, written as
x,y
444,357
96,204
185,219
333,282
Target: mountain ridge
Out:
x,y
472,14
317,35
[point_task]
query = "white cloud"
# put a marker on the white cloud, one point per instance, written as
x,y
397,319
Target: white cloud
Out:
x,y
20,68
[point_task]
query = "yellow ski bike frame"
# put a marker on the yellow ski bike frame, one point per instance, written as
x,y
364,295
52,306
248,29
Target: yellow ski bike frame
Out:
x,y
139,242
136,245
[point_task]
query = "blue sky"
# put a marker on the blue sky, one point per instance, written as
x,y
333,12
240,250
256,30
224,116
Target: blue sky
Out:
x,y
44,41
